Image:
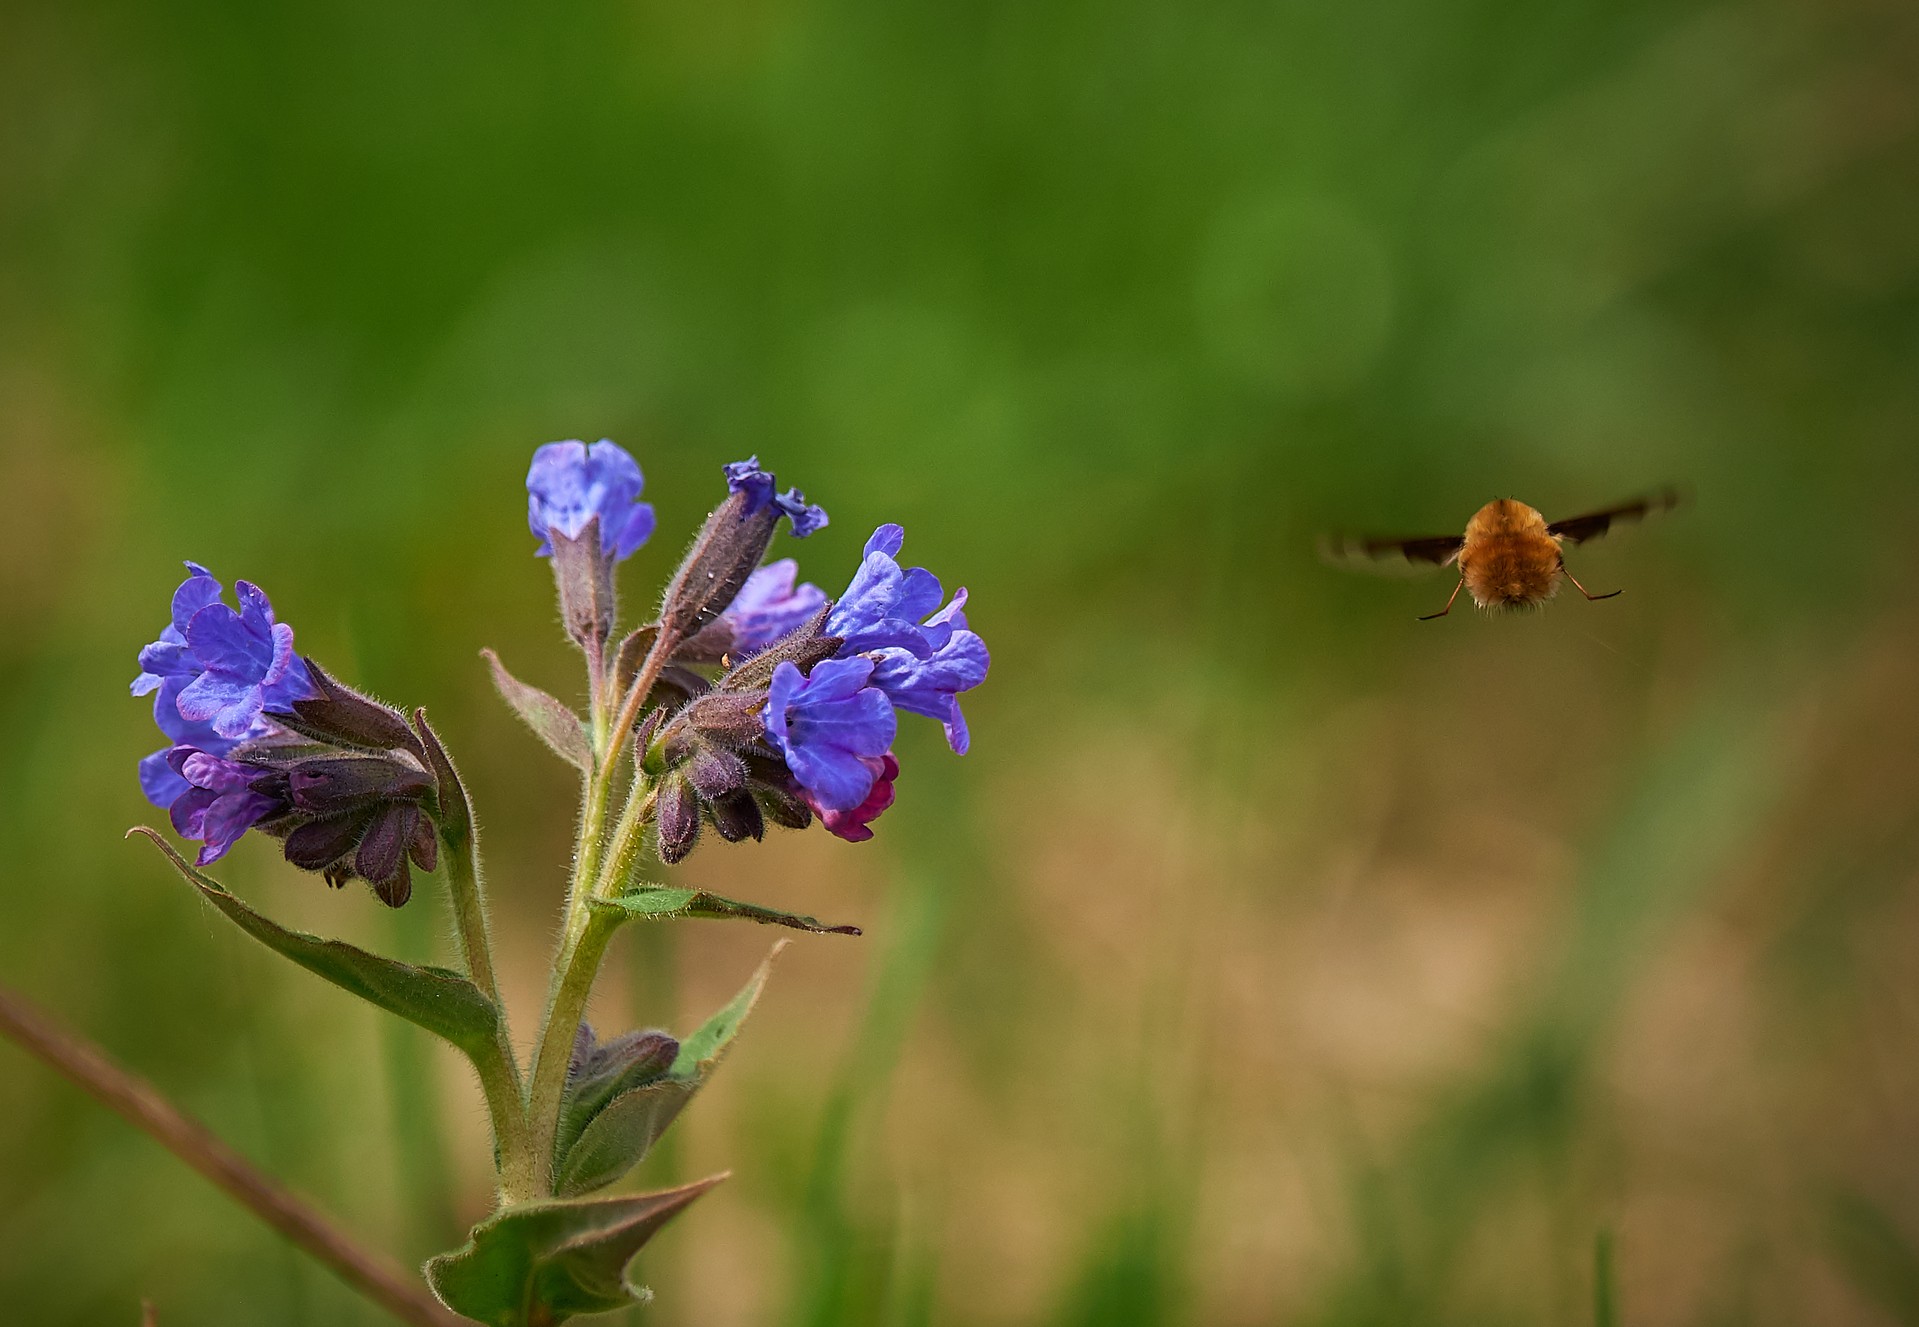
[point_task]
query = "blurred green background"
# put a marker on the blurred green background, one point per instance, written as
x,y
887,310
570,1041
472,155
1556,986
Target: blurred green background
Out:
x,y
1273,958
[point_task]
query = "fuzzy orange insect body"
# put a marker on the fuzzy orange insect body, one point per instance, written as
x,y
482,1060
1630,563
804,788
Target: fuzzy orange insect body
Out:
x,y
1508,559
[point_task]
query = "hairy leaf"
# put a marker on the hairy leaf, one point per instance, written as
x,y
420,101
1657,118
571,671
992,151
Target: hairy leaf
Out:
x,y
444,1003
539,1264
549,718
660,903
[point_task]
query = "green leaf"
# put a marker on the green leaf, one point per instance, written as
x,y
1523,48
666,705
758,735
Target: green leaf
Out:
x,y
444,1003
620,1134
700,1052
659,903
549,718
539,1264
619,1137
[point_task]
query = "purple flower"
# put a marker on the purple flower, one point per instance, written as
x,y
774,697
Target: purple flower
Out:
x,y
231,665
220,802
158,779
770,605
828,725
569,483
758,485
923,655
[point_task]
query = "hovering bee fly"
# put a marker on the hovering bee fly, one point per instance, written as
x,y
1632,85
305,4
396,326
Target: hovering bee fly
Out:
x,y
1510,556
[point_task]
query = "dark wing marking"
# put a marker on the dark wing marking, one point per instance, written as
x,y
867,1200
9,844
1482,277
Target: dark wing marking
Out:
x,y
1420,554
1578,529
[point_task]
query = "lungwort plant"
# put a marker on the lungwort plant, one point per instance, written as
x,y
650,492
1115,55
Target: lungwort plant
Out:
x,y
750,698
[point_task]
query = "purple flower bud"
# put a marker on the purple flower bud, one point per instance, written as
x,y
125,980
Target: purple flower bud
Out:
x,y
825,724
737,817
569,483
715,773
729,548
923,655
746,477
678,819
381,856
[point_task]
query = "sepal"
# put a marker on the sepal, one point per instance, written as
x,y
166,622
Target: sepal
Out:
x,y
341,716
584,574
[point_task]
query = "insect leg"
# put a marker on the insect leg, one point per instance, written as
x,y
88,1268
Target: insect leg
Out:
x,y
1582,589
1449,602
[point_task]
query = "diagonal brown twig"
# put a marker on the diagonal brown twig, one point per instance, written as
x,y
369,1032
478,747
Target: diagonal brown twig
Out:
x,y
142,1105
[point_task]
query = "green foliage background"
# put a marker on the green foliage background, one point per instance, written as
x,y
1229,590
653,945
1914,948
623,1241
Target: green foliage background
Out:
x,y
1273,958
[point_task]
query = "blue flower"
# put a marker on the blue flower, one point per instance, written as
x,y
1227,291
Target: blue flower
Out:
x,y
221,801
162,784
757,485
569,483
931,685
230,665
770,605
831,728
923,655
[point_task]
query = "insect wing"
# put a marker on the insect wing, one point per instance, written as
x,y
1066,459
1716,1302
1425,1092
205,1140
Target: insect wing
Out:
x,y
1417,554
1578,529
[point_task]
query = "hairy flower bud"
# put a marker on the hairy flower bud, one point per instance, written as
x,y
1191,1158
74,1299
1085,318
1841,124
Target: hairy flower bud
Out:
x,y
678,818
737,817
730,546
730,718
715,772
341,716
334,785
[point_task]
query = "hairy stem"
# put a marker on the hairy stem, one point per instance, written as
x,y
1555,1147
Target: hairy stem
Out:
x,y
469,914
142,1105
663,647
499,1073
582,940
578,963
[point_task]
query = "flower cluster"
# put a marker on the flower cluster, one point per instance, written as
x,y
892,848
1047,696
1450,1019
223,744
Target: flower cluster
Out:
x,y
263,739
771,702
800,723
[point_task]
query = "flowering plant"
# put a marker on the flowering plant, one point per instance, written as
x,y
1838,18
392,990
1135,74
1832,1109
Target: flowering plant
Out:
x,y
749,698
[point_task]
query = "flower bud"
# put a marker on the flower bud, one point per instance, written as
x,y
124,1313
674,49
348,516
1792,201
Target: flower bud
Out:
x,y
730,546
678,818
737,817
730,718
341,716
715,772
333,785
381,858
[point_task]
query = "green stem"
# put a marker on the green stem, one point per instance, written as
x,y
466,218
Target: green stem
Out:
x,y
582,946
577,965
499,1071
469,914
583,937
